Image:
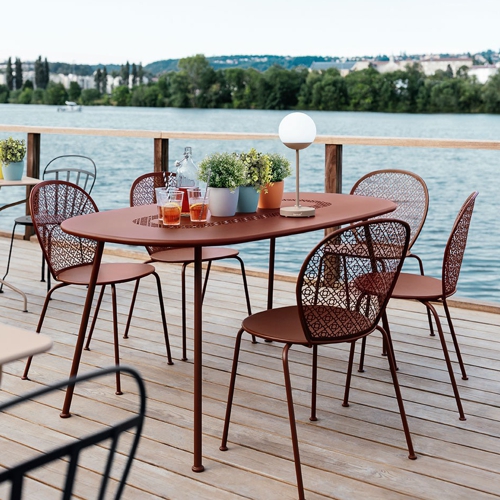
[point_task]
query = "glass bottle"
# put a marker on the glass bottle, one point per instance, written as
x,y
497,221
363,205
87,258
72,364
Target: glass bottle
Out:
x,y
187,176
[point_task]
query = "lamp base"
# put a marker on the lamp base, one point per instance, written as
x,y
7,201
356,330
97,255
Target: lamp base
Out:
x,y
297,211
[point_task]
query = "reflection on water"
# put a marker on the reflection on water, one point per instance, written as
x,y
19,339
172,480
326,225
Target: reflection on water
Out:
x,y
451,174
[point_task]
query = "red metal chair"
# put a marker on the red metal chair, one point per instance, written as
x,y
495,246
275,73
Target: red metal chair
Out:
x,y
142,192
427,289
70,258
331,309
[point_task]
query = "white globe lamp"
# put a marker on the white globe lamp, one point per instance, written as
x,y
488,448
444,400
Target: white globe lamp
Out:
x,y
297,131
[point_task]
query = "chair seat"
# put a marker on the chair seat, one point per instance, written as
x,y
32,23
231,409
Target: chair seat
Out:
x,y
25,220
108,273
280,325
418,287
186,255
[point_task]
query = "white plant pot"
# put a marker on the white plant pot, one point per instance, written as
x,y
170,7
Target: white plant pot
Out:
x,y
222,201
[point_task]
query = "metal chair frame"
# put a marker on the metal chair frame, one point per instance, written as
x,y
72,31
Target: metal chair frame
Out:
x,y
70,258
331,309
142,192
84,178
71,451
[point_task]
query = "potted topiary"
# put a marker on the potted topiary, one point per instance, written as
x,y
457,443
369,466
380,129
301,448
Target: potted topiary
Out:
x,y
12,153
257,177
223,173
271,196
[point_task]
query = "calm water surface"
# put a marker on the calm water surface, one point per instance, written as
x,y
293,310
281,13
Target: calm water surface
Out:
x,y
451,174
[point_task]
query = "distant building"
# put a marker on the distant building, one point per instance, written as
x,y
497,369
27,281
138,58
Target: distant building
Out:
x,y
343,66
484,72
431,64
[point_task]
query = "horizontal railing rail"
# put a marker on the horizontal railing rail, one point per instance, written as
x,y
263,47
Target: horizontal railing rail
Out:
x,y
333,145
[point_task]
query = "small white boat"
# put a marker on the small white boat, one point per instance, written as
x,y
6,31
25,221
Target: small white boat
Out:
x,y
70,106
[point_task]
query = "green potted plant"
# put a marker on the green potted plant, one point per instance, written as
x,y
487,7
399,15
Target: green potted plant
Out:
x,y
12,153
257,177
223,173
272,194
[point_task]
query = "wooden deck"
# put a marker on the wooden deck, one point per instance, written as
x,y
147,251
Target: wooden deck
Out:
x,y
349,453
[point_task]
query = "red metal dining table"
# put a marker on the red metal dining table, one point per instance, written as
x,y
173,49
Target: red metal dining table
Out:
x,y
139,226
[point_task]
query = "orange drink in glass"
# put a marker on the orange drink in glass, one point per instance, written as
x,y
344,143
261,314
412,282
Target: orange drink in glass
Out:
x,y
198,205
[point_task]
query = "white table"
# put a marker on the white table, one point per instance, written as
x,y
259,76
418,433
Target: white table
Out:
x,y
25,181
16,343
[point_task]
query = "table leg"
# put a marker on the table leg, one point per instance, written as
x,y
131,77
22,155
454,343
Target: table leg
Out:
x,y
83,329
198,364
270,277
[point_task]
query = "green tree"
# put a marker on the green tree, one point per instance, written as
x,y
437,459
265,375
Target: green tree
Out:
x,y
28,84
180,91
55,93
18,80
4,94
124,73
46,73
98,80
74,91
38,96
89,97
134,75
9,75
279,88
104,81
26,96
121,95
41,73
200,77
491,94
361,88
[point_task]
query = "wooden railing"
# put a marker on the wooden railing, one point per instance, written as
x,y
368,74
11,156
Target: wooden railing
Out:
x,y
333,145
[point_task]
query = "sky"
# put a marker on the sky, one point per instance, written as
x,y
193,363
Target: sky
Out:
x,y
117,31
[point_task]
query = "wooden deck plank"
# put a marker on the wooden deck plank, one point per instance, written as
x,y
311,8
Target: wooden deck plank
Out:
x,y
349,453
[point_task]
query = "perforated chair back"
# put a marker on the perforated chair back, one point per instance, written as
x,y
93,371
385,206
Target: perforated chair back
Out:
x,y
346,281
51,203
78,169
69,453
142,192
406,189
455,248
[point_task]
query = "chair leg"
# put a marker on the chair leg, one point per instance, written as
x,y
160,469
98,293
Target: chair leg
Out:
x,y
293,425
205,281
163,317
10,255
183,306
232,383
345,403
361,367
245,288
42,277
132,304
448,361
40,323
115,339
94,319
455,341
404,420
314,383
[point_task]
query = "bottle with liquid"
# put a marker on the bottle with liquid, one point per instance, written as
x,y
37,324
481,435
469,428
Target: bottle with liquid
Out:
x,y
187,176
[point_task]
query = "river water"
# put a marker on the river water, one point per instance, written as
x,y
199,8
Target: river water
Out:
x,y
451,174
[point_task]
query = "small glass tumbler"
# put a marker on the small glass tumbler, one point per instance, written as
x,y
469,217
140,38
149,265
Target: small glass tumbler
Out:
x,y
160,200
171,207
198,205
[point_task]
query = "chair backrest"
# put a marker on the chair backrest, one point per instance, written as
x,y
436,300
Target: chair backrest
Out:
x,y
51,203
143,192
455,248
346,281
406,189
104,444
78,169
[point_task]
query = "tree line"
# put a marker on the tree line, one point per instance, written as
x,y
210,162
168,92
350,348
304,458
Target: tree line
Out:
x,y
197,84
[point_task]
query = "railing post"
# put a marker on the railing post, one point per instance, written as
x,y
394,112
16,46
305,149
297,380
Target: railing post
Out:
x,y
333,172
333,168
161,155
32,170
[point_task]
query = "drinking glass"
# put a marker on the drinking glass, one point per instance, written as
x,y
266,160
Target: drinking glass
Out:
x,y
171,206
198,205
160,201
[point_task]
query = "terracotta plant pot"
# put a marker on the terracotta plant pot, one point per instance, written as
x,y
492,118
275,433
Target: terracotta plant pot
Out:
x,y
272,199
